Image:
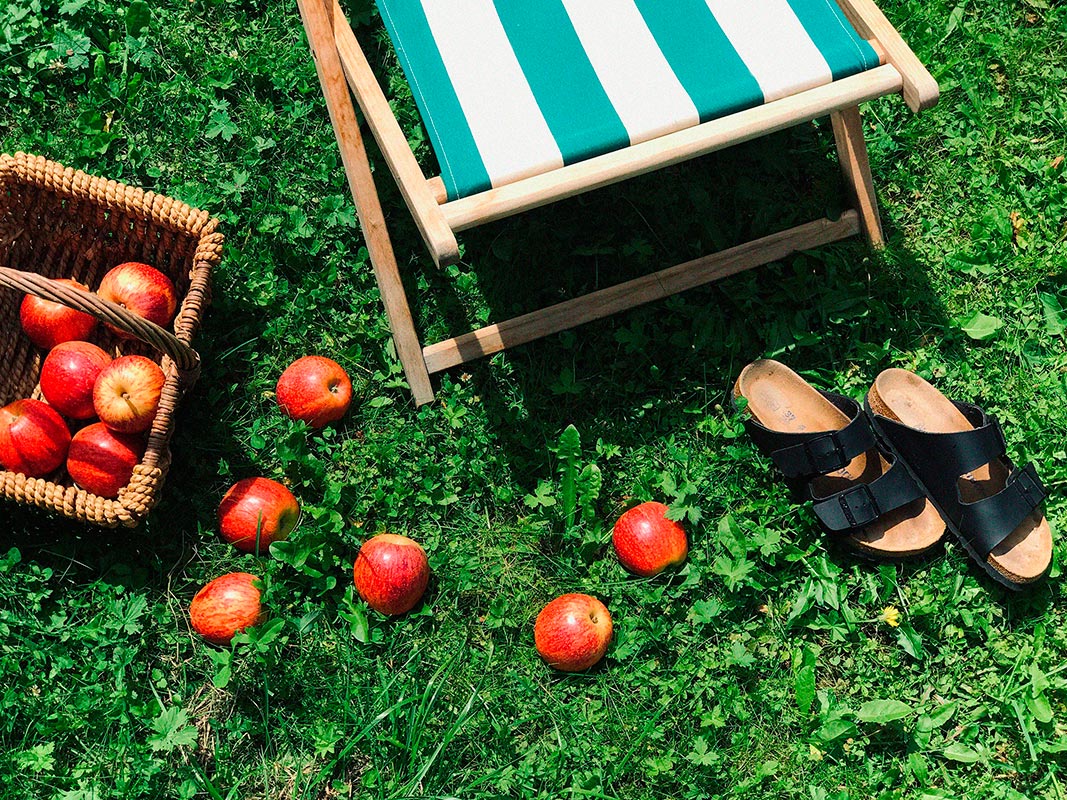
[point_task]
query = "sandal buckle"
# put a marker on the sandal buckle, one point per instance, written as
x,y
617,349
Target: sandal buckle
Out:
x,y
859,506
1031,487
825,459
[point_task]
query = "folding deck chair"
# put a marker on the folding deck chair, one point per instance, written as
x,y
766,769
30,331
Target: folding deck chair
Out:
x,y
530,101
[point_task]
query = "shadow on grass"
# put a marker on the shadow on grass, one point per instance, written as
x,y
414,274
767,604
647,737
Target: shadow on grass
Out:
x,y
840,313
645,373
651,372
80,553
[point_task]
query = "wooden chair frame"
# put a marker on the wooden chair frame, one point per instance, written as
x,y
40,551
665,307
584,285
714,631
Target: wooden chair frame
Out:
x,y
342,66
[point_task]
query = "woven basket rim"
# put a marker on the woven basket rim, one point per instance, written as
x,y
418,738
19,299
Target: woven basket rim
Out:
x,y
111,194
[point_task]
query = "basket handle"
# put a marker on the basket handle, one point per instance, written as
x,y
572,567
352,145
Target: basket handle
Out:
x,y
184,357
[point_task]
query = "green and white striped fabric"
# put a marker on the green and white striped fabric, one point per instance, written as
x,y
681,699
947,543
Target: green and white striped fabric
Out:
x,y
514,88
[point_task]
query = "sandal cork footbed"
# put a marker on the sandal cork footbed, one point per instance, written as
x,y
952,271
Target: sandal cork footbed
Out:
x,y
783,401
903,396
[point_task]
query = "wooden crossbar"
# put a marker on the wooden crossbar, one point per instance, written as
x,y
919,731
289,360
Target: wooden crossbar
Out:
x,y
674,148
647,288
437,185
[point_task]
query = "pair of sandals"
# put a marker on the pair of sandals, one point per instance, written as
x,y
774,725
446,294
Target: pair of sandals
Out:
x,y
891,476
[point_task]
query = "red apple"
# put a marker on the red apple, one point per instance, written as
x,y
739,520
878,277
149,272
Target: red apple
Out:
x,y
102,461
646,542
68,375
33,438
225,606
314,389
141,289
48,324
391,573
126,395
257,507
572,632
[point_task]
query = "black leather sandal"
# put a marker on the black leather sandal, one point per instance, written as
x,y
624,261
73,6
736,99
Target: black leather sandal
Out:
x,y
957,453
824,446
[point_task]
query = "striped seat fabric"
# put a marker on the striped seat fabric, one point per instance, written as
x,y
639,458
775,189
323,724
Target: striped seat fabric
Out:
x,y
514,88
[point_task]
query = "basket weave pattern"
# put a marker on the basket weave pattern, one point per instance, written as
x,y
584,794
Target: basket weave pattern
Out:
x,y
62,223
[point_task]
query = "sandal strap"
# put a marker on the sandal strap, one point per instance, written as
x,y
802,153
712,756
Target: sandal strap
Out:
x,y
860,505
939,454
989,521
805,455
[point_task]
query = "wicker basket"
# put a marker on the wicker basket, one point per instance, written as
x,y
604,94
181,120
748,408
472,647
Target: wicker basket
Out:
x,y
60,223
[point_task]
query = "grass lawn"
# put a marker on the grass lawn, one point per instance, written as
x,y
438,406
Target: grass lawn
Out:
x,y
765,668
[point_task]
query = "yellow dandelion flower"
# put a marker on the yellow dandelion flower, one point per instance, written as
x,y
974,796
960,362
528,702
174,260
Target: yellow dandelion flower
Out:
x,y
891,616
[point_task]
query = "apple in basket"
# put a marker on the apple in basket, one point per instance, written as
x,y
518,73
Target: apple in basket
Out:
x,y
126,395
257,508
315,390
142,289
34,439
68,376
573,632
48,324
225,606
646,542
101,461
391,573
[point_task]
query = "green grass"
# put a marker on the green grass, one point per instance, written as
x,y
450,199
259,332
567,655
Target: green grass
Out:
x,y
754,672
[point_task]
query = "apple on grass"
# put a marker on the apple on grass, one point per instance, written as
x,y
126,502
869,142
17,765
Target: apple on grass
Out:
x,y
257,509
68,376
573,632
126,395
142,289
391,573
101,461
646,542
48,324
34,439
315,390
225,606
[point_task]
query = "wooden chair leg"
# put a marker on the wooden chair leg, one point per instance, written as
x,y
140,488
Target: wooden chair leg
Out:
x,y
316,18
852,153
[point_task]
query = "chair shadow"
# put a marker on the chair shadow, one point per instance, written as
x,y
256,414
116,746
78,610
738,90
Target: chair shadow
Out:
x,y
839,304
